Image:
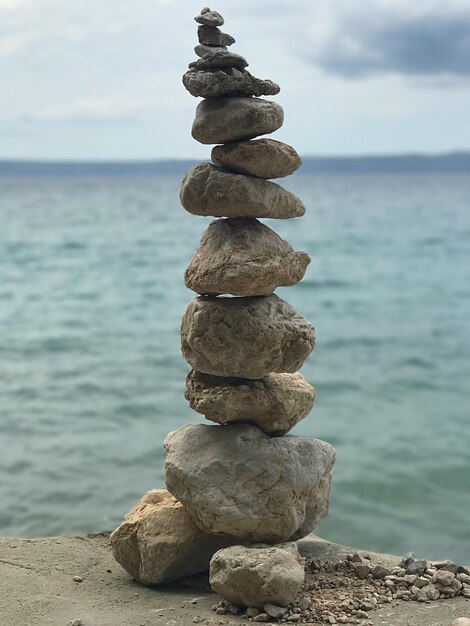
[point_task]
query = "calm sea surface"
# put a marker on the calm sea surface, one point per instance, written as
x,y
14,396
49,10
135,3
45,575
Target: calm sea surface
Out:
x,y
91,376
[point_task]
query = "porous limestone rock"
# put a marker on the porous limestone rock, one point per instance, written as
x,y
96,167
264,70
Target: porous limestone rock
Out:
x,y
218,84
223,120
209,18
237,481
213,36
217,59
275,403
243,257
201,49
208,190
257,575
266,158
245,337
158,541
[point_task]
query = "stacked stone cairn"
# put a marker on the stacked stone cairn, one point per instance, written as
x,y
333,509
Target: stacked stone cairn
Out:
x,y
240,493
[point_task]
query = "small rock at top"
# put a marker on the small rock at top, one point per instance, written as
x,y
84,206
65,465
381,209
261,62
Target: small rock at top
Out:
x,y
209,18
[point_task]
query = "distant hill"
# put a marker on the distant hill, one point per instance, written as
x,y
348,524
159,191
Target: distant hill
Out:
x,y
456,162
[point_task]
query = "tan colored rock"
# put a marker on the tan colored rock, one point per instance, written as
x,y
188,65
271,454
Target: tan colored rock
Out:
x,y
257,575
158,542
275,403
208,190
223,120
243,257
209,18
266,158
237,481
218,84
245,337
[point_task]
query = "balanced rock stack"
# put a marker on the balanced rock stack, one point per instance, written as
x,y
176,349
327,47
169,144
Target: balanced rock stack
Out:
x,y
240,481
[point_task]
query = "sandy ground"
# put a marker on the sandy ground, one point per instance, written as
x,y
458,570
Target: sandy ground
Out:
x,y
37,588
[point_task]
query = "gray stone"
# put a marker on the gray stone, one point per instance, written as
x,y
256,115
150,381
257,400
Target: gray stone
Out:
x,y
380,572
223,120
265,158
218,84
158,541
245,337
210,191
258,576
201,49
209,18
220,59
212,36
275,611
417,567
275,403
236,481
243,257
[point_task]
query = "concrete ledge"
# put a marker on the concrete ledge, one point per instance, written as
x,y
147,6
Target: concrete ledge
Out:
x,y
38,588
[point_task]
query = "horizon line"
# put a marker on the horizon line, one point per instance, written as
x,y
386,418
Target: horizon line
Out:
x,y
362,155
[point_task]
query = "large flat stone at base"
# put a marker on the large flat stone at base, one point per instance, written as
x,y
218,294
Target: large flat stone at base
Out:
x,y
243,257
158,542
237,481
245,337
210,191
222,120
257,575
266,158
275,403
108,595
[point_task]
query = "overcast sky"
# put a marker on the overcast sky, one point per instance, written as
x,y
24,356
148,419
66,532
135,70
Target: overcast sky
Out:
x,y
101,79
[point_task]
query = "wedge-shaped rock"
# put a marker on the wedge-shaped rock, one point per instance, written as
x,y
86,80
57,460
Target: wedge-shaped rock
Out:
x,y
275,403
237,481
245,337
217,59
158,541
232,119
243,257
266,158
208,190
219,84
258,575
213,36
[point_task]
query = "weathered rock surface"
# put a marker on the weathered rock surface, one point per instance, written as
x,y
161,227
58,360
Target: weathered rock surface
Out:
x,y
232,119
209,18
218,84
275,403
266,158
238,481
212,36
218,59
245,337
201,49
257,575
159,542
243,257
208,190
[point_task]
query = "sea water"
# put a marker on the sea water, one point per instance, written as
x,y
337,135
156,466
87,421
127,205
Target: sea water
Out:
x,y
92,379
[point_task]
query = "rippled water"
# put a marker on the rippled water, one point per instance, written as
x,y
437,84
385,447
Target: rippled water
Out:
x,y
91,377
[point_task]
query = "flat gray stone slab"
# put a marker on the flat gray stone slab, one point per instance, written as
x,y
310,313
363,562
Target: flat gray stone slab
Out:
x,y
38,589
